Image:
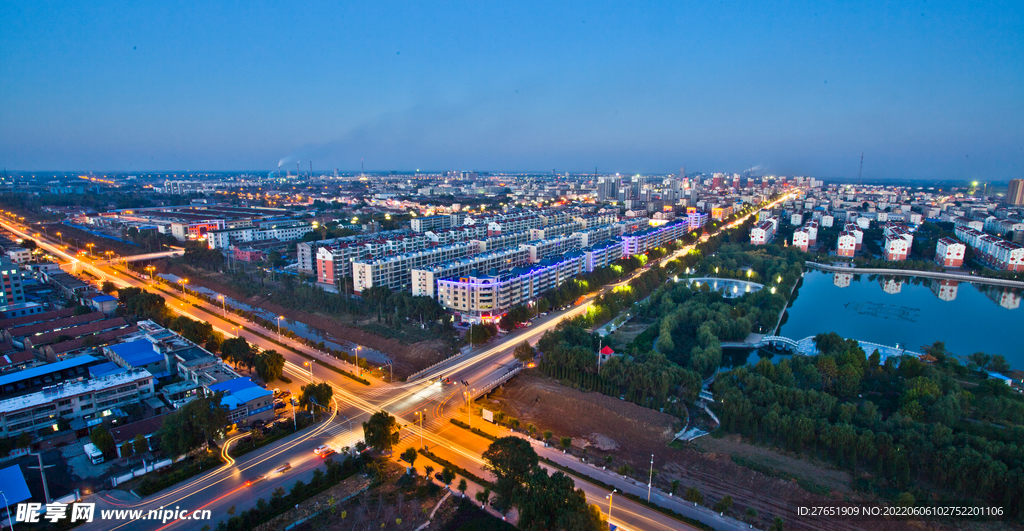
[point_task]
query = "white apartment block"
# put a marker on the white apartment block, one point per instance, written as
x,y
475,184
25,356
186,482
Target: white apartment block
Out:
x,y
86,399
994,251
857,233
644,240
394,271
801,238
542,249
949,252
602,255
764,232
225,238
424,280
484,298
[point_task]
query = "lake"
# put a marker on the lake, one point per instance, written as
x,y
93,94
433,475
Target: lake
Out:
x,y
910,311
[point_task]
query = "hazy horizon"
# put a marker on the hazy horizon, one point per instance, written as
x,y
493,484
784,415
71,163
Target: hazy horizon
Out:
x,y
926,90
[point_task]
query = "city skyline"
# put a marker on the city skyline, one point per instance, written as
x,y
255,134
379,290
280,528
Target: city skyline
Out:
x,y
925,91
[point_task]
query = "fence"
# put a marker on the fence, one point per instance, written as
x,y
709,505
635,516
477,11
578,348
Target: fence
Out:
x,y
419,373
146,468
506,377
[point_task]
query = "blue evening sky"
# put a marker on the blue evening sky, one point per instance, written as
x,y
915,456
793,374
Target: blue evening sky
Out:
x,y
924,89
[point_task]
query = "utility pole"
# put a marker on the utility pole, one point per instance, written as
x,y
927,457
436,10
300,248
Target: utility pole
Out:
x,y
650,480
42,472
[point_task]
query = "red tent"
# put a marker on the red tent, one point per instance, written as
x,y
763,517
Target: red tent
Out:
x,y
607,351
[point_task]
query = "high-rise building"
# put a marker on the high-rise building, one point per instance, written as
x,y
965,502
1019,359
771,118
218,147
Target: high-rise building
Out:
x,y
12,293
1015,194
607,188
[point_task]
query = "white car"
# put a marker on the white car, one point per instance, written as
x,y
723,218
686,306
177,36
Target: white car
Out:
x,y
321,449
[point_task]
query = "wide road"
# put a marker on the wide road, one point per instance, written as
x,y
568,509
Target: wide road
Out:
x,y
354,402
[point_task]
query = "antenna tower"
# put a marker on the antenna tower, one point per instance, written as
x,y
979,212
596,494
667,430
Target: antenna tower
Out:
x,y
861,170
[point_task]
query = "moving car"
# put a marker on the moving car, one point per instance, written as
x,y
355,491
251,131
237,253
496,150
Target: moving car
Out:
x,y
249,482
323,451
281,469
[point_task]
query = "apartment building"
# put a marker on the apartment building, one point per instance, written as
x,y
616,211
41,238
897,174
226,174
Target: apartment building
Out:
x,y
13,292
430,223
479,298
601,255
857,233
87,399
764,232
801,238
284,231
539,250
992,250
846,245
949,252
424,280
502,241
394,271
898,242
595,235
644,240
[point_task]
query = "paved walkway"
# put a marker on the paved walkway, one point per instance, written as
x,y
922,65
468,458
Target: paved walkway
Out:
x,y
963,277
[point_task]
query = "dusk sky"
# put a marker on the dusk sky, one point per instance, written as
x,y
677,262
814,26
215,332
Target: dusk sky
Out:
x,y
924,89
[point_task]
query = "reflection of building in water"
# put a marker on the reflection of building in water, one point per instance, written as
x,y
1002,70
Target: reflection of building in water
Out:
x,y
842,280
891,285
945,289
1005,297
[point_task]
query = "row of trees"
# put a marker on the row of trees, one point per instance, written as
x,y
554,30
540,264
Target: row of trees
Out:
x,y
913,425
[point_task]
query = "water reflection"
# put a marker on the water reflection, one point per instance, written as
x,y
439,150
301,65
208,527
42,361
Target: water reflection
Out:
x,y
943,289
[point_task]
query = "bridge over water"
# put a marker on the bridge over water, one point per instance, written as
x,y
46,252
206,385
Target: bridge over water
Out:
x,y
806,345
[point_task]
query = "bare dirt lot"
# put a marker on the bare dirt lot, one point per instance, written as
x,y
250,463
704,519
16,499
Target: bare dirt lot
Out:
x,y
630,434
408,358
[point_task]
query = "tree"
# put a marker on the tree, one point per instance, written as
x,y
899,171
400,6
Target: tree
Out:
x,y
998,364
566,442
510,459
108,287
410,455
140,444
238,351
524,352
484,496
317,395
693,495
447,475
269,365
776,525
101,437
553,502
190,426
126,449
428,470
548,434
462,487
723,505
381,431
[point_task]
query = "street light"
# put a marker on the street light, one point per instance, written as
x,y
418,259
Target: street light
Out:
x,y
61,236
224,304
611,498
469,406
357,360
279,317
310,365
421,415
